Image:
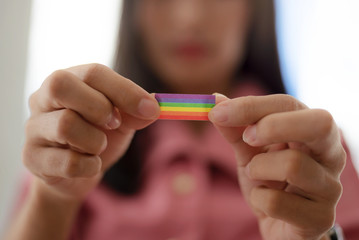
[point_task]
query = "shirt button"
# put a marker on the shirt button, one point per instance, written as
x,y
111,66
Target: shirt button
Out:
x,y
183,184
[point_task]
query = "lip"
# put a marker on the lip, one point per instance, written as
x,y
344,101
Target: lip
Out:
x,y
190,50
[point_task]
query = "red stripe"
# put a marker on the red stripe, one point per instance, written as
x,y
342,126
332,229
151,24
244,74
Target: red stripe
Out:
x,y
178,113
177,117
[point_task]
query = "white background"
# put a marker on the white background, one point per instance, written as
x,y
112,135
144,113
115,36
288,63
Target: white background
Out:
x,y
319,47
63,33
14,27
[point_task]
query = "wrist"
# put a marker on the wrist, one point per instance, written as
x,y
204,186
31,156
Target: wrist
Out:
x,y
43,195
44,215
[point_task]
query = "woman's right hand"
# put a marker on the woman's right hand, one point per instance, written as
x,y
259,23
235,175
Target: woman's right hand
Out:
x,y
82,120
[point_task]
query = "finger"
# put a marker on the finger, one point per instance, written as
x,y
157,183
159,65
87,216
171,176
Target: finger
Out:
x,y
242,150
68,129
131,122
248,110
240,112
63,89
293,209
297,169
232,134
58,162
122,92
313,127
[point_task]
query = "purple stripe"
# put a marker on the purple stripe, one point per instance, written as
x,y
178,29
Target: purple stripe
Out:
x,y
184,96
176,100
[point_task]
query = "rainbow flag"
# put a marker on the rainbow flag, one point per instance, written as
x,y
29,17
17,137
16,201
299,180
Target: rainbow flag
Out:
x,y
185,106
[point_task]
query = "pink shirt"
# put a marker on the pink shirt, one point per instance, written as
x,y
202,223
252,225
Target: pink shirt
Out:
x,y
181,199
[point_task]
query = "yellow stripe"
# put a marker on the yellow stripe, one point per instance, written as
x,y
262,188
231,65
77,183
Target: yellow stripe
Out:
x,y
185,109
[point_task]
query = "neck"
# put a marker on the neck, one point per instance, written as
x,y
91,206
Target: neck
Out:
x,y
222,87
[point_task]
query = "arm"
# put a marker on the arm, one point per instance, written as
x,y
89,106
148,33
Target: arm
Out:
x,y
43,216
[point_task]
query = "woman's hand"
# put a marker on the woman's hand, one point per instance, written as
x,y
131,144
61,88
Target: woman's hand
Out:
x,y
289,162
82,120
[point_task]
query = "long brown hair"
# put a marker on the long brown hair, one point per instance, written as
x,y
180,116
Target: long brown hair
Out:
x,y
261,63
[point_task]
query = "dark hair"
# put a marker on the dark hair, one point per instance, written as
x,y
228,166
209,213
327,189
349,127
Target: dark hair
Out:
x,y
261,62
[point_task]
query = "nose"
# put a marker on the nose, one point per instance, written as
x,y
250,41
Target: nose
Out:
x,y
188,14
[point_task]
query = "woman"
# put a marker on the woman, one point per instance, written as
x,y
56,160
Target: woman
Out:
x,y
179,179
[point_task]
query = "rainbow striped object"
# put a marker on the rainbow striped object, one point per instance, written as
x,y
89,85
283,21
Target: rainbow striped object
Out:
x,y
185,106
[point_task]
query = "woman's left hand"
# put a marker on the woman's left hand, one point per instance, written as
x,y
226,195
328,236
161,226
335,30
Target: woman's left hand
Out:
x,y
289,162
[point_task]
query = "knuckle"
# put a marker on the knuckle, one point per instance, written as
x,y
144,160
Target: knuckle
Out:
x,y
29,128
326,121
267,129
93,70
273,204
31,156
246,105
27,153
56,83
252,167
65,125
255,166
341,159
337,189
342,154
98,144
330,222
294,164
57,86
289,103
101,111
33,101
326,220
102,143
94,165
72,166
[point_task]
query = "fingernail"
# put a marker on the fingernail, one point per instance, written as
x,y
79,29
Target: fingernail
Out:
x,y
148,108
219,113
250,134
115,120
220,97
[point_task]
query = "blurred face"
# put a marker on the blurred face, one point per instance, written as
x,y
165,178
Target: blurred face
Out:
x,y
194,46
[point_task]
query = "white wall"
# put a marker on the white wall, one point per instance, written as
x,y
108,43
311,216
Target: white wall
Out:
x,y
14,25
63,33
320,49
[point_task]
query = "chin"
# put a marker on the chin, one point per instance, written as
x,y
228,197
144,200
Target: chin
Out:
x,y
184,77
191,84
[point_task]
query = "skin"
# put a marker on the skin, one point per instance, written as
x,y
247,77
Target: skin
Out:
x,y
83,119
219,27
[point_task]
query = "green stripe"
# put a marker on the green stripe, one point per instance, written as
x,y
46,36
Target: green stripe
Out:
x,y
171,104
